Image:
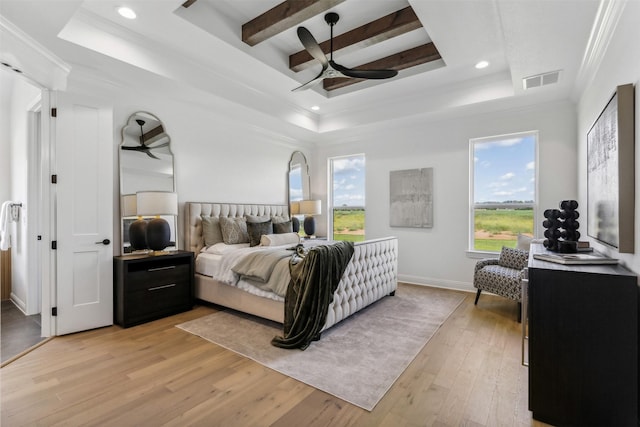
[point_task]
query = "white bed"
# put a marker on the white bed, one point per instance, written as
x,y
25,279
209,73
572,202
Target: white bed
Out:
x,y
370,275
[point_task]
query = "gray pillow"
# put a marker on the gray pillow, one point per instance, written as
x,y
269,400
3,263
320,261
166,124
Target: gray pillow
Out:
x,y
277,219
211,230
282,227
257,218
234,230
256,230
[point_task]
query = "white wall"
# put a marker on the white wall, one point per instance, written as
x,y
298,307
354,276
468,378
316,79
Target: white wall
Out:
x,y
437,256
620,65
22,97
219,156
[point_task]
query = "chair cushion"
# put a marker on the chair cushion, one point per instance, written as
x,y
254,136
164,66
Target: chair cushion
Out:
x,y
513,258
499,280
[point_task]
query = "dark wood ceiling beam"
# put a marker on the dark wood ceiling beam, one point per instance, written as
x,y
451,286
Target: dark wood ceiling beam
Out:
x,y
394,24
282,17
399,61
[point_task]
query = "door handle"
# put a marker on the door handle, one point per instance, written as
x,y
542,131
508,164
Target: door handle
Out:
x,y
103,242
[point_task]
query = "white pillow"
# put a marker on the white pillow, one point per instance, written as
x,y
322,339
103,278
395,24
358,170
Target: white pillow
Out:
x,y
279,239
222,248
524,242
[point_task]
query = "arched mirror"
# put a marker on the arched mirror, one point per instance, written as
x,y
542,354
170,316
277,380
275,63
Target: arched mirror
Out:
x,y
298,177
146,164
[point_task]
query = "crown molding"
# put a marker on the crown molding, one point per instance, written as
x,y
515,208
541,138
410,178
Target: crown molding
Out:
x,y
603,30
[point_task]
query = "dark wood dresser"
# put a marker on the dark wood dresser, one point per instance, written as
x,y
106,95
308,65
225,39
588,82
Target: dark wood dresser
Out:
x,y
583,343
148,287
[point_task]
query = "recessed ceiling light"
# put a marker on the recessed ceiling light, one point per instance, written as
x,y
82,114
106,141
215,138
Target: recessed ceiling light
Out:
x,y
315,108
126,12
482,64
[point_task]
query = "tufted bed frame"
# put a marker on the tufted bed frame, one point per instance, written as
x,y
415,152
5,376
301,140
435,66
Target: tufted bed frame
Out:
x,y
370,275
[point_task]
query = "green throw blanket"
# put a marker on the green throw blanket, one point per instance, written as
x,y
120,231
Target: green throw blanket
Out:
x,y
313,283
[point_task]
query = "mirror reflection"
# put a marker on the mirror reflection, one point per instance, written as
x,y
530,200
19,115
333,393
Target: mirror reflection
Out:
x,y
298,177
146,164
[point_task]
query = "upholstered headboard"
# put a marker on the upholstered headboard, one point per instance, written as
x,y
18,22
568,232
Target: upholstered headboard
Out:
x,y
194,211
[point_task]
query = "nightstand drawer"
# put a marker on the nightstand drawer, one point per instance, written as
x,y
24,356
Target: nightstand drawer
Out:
x,y
151,276
159,298
148,287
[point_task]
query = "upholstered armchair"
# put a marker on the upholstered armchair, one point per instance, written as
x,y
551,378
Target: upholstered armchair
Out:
x,y
502,276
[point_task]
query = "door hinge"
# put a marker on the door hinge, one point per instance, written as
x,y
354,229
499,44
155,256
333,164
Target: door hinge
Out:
x,y
54,244
54,112
54,311
54,179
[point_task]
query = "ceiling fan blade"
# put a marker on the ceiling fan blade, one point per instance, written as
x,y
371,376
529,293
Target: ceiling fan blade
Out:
x,y
309,84
364,74
151,155
312,46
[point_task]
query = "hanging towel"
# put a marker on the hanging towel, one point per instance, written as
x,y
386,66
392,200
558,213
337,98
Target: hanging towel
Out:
x,y
5,226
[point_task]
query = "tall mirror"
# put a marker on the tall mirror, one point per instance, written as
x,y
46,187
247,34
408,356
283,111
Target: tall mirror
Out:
x,y
146,164
298,177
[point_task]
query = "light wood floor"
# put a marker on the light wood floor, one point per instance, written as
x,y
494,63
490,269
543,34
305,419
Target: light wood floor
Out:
x,y
155,374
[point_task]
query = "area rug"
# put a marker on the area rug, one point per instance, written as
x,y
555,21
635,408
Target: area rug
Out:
x,y
358,359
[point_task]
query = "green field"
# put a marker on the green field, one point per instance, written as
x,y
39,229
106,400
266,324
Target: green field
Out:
x,y
348,225
495,228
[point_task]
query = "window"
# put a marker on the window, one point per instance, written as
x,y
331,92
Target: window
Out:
x,y
346,201
503,190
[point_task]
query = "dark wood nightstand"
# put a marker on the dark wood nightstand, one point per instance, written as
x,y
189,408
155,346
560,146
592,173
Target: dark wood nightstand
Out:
x,y
148,287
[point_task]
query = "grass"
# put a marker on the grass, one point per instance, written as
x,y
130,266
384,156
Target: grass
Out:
x,y
500,227
348,224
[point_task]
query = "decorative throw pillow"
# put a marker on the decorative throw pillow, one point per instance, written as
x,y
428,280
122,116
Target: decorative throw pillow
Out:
x,y
211,230
234,230
282,227
524,242
280,239
513,258
277,219
257,218
256,230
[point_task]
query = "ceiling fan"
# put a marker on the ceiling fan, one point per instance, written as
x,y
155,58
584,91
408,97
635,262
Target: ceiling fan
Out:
x,y
143,147
331,69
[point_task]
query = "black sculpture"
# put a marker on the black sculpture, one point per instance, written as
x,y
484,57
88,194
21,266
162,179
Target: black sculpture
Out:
x,y
561,225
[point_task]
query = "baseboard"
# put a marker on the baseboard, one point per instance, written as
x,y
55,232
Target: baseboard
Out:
x,y
437,283
22,306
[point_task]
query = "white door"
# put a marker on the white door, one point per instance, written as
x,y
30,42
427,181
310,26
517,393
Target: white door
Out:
x,y
83,204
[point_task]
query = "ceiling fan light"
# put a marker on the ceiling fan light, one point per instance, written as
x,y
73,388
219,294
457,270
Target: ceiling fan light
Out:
x,y
127,12
482,64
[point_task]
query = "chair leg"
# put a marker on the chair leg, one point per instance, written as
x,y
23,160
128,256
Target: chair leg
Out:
x,y
477,296
519,312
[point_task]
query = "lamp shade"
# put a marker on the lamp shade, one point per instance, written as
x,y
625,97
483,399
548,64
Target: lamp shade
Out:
x,y
311,207
129,205
295,208
155,203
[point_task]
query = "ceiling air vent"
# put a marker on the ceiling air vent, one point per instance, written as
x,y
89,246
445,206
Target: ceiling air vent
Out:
x,y
541,79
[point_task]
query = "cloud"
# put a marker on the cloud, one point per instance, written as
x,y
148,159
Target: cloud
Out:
x,y
348,164
507,176
531,166
499,143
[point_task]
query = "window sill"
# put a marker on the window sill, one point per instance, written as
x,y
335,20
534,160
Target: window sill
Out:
x,y
481,254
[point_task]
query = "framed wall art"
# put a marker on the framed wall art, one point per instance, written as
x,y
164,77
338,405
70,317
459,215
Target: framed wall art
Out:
x,y
411,198
611,173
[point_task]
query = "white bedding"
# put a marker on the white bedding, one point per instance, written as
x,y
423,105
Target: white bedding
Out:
x,y
219,267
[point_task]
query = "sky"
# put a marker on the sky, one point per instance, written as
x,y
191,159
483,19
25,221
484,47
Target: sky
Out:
x,y
348,181
504,169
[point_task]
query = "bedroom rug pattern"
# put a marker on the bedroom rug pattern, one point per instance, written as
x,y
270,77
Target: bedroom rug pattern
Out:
x,y
357,360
